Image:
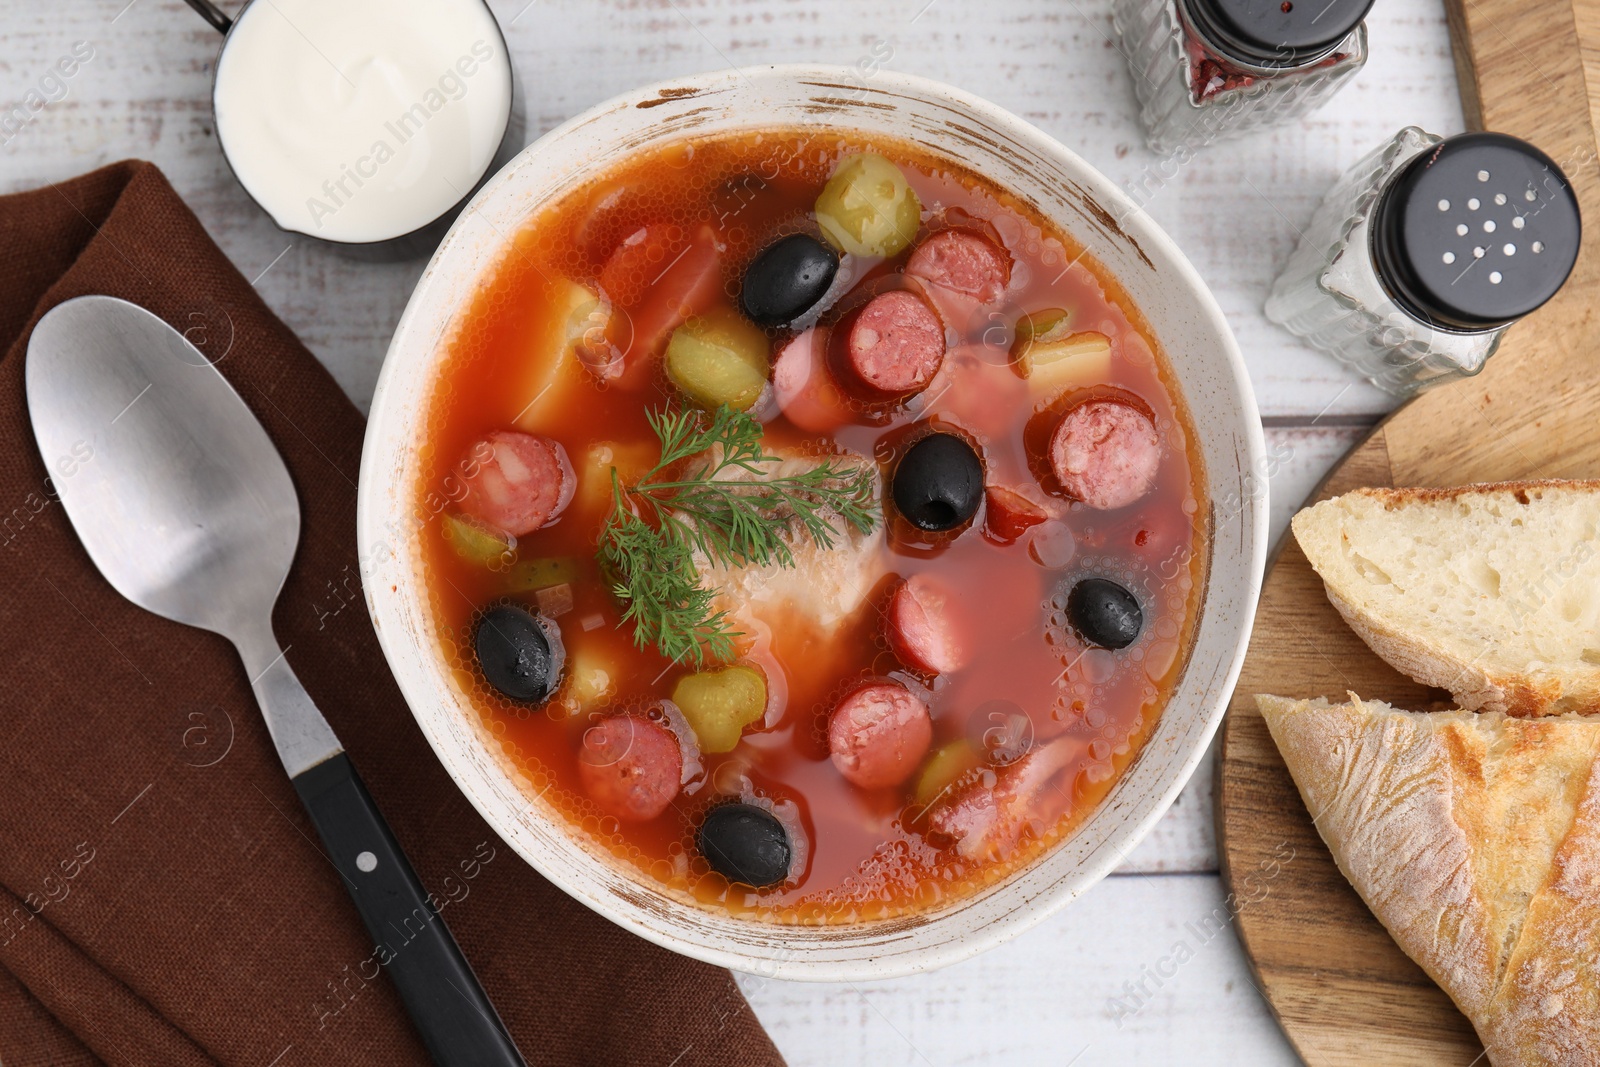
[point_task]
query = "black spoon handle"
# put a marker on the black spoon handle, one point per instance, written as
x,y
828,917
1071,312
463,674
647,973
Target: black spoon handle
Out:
x,y
452,1014
212,14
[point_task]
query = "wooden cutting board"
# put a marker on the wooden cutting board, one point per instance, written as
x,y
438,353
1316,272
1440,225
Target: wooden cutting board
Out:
x,y
1342,990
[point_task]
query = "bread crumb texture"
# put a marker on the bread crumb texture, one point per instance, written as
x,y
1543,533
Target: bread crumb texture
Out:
x,y
1489,591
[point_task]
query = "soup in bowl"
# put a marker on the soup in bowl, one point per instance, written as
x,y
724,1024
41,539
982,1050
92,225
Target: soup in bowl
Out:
x,y
816,523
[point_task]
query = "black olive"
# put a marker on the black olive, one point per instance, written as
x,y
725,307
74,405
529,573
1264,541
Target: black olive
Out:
x,y
1104,613
520,653
744,843
939,482
787,279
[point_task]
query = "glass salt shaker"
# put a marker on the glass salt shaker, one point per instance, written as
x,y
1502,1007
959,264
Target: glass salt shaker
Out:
x,y
1423,253
1207,69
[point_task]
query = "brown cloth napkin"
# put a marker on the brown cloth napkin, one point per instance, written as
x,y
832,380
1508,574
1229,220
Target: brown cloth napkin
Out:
x,y
162,898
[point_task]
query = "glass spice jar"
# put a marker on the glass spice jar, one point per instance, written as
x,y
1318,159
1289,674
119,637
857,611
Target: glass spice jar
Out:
x,y
1423,253
1208,69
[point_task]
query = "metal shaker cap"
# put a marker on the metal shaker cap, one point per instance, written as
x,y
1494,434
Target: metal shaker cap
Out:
x,y
1476,232
1276,33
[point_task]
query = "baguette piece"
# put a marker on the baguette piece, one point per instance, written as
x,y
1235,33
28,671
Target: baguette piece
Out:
x,y
1489,591
1475,840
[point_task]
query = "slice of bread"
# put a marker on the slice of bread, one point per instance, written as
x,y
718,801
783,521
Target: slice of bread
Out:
x,y
1489,591
1475,840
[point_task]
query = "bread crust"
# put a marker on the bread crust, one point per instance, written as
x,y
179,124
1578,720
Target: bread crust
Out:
x,y
1475,840
1547,1009
1428,494
1473,688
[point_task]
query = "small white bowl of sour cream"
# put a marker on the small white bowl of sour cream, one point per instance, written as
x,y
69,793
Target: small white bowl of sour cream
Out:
x,y
366,124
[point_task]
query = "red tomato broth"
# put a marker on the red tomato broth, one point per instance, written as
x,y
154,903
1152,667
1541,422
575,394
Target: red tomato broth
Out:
x,y
863,860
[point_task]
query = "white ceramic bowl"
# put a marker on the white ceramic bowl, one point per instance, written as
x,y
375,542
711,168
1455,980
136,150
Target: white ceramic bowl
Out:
x,y
949,123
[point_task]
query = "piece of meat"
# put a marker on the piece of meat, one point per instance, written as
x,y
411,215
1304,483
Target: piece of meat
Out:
x,y
991,392
805,390
686,280
879,734
1007,514
593,235
988,821
630,767
1105,453
821,588
921,628
893,345
963,262
516,481
638,259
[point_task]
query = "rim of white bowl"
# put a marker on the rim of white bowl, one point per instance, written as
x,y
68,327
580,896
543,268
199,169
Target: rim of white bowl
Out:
x,y
773,950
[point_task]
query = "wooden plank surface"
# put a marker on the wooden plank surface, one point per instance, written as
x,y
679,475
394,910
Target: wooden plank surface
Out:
x,y
1343,991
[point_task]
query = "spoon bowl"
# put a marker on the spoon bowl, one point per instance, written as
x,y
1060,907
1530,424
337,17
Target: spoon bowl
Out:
x,y
185,506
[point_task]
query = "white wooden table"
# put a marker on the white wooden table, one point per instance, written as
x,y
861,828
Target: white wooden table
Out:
x,y
1143,969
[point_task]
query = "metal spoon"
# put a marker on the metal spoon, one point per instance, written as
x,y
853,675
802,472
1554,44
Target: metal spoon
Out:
x,y
188,511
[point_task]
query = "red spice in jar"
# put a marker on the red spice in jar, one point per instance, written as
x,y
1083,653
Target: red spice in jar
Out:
x,y
1210,74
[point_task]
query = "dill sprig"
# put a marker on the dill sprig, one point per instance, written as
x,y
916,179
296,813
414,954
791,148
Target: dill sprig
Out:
x,y
658,524
655,577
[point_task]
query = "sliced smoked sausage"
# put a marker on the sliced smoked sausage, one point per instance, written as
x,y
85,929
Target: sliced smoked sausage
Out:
x,y
879,734
894,345
1105,453
804,388
921,629
630,767
962,262
516,481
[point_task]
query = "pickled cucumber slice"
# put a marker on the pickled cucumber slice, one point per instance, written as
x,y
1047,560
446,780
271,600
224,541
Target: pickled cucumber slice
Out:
x,y
868,208
948,765
1046,324
478,542
720,704
719,358
532,575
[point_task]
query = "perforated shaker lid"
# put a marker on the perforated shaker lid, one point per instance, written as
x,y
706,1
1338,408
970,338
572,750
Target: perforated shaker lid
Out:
x,y
1476,232
1276,33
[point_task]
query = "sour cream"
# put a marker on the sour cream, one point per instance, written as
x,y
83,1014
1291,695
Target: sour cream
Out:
x,y
361,120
